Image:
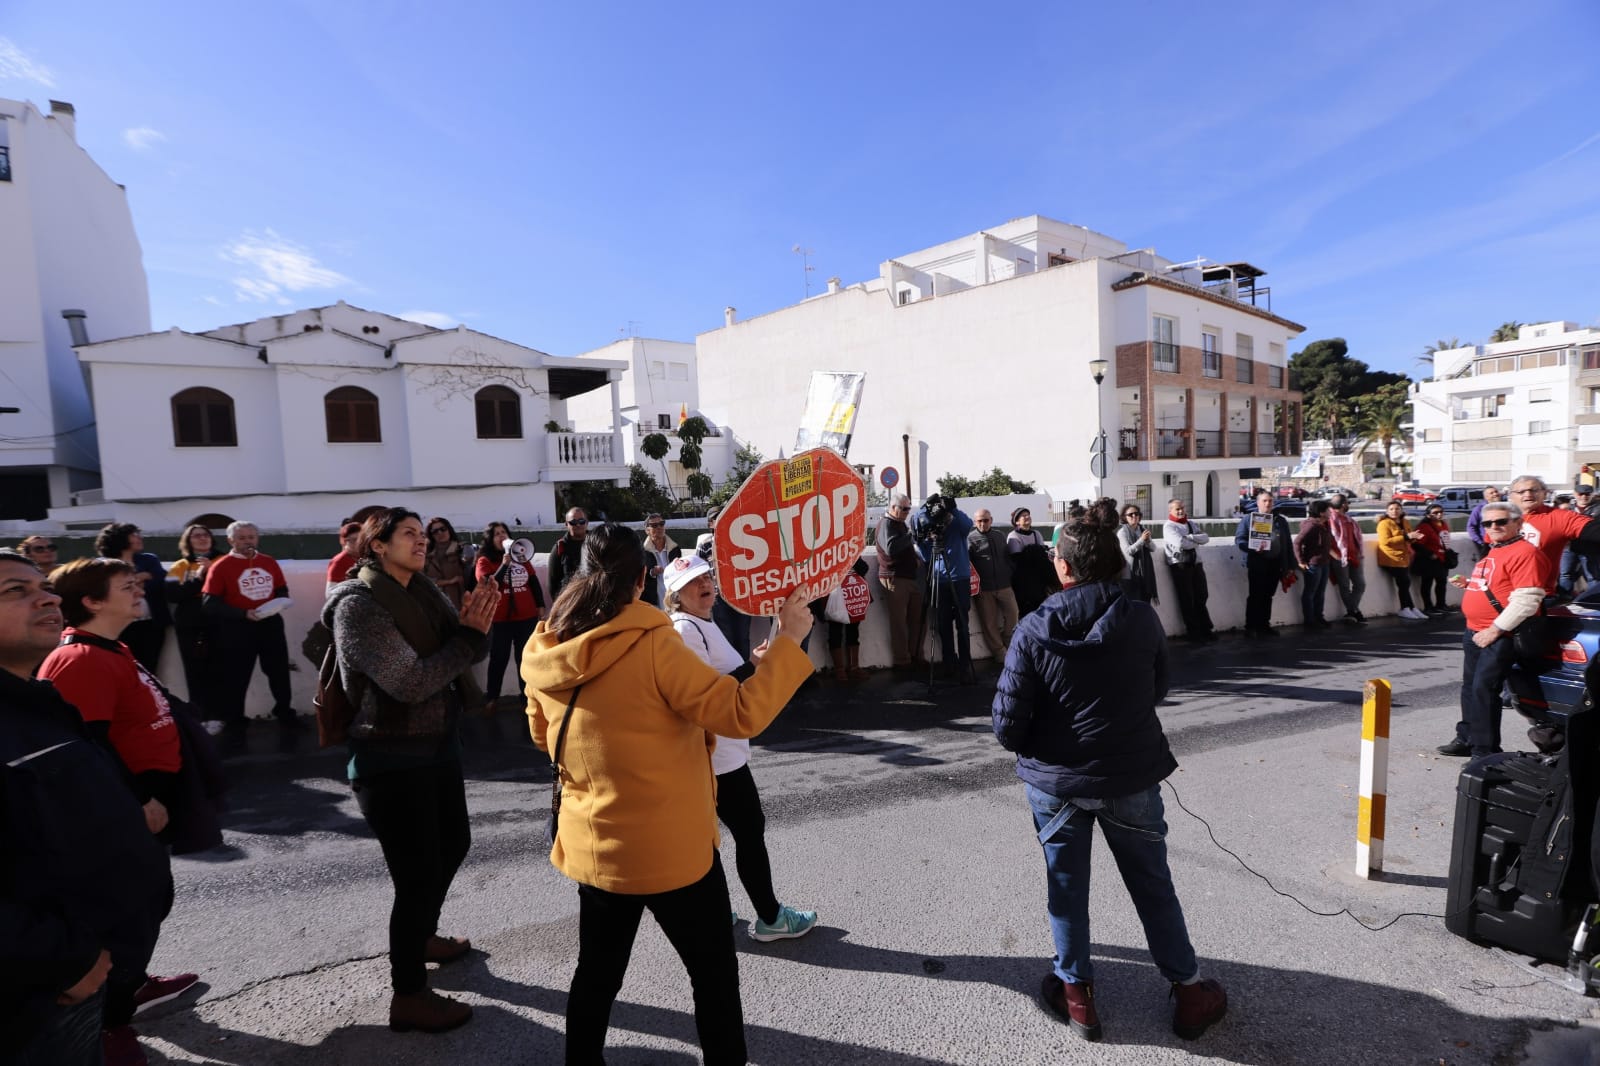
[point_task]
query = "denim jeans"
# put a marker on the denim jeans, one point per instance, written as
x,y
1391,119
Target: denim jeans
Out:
x,y
69,1037
1136,831
953,603
1483,673
1314,592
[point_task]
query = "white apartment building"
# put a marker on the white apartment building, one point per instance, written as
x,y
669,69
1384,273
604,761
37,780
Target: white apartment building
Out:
x,y
70,268
660,388
1495,411
977,354
296,421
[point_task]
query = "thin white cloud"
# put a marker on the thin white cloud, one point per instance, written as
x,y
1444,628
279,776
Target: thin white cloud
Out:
x,y
280,266
436,319
16,65
142,138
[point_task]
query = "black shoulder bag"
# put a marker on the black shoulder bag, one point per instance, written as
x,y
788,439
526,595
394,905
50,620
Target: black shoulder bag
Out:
x,y
555,769
1534,638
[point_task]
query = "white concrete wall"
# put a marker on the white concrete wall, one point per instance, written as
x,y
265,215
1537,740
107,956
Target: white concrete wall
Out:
x,y
938,369
1224,574
70,243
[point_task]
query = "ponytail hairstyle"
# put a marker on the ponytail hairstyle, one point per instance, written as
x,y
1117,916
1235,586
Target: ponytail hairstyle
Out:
x,y
1089,543
613,559
379,528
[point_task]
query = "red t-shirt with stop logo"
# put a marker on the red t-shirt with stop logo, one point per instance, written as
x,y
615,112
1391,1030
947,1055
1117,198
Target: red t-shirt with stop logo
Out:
x,y
244,583
108,685
1517,565
1551,529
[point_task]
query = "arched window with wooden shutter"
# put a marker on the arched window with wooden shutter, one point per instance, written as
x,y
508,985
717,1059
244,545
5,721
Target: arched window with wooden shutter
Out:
x,y
499,412
352,415
203,418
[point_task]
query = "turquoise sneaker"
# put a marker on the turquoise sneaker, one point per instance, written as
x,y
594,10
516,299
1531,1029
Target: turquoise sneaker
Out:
x,y
789,924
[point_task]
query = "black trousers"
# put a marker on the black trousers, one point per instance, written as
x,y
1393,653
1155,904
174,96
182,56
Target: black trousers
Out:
x,y
1431,574
1402,583
695,920
420,819
197,649
239,646
129,959
843,634
1263,576
1189,582
506,640
739,808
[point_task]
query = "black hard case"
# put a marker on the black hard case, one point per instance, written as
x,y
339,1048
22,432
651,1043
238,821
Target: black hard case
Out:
x,y
1521,857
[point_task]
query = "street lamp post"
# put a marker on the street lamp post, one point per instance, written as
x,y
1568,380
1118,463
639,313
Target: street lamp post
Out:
x,y
1097,454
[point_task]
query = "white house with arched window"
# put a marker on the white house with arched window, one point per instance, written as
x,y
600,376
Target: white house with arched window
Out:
x,y
299,420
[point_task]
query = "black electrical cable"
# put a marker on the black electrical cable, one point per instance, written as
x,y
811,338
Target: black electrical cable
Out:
x,y
1304,906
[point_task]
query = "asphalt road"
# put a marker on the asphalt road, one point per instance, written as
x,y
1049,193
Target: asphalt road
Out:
x,y
893,812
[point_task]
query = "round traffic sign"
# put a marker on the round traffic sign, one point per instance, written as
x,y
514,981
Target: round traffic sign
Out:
x,y
889,478
794,521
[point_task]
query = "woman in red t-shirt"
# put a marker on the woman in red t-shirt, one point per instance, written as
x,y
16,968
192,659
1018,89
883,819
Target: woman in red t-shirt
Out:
x,y
521,604
123,704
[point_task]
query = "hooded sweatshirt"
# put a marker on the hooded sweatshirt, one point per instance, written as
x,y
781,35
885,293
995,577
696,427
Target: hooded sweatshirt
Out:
x,y
1077,698
638,804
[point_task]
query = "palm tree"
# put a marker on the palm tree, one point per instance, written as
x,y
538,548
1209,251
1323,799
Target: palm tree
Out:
x,y
656,446
1426,358
1506,332
1383,415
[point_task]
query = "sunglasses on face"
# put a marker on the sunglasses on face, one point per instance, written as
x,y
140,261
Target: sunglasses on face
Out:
x,y
577,521
1496,523
41,547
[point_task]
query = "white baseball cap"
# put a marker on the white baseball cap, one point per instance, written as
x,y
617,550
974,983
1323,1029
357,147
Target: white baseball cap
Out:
x,y
682,570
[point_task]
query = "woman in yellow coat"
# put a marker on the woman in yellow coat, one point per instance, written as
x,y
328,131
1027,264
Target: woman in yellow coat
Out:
x,y
638,826
1394,554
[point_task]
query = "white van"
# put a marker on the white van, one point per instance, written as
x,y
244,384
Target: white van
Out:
x,y
1459,498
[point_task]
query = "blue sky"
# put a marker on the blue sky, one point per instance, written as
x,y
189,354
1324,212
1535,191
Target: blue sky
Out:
x,y
561,174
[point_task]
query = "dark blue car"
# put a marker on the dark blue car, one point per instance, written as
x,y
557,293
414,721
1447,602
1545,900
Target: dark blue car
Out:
x,y
1550,689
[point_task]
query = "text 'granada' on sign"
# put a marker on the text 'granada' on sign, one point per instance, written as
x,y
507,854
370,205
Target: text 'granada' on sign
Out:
x,y
796,521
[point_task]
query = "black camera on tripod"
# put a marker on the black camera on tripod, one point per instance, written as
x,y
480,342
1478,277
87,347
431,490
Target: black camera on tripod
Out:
x,y
936,512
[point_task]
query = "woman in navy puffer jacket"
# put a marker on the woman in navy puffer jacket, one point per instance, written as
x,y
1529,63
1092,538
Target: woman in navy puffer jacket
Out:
x,y
1077,703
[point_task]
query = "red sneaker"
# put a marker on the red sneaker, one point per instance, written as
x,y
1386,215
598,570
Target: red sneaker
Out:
x,y
120,1046
1200,1005
158,990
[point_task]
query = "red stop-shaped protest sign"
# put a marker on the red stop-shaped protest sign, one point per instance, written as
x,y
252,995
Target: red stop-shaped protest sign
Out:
x,y
794,521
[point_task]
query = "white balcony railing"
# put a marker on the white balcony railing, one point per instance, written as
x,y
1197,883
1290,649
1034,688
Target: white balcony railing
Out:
x,y
580,452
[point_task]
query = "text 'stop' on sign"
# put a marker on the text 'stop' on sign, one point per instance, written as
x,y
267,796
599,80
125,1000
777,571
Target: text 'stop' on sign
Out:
x,y
794,521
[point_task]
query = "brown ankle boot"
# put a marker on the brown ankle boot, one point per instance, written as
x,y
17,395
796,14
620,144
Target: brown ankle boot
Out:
x,y
1200,1005
426,1012
446,949
840,671
1072,1003
853,655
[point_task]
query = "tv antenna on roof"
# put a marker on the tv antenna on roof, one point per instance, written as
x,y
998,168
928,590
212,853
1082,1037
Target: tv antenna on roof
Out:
x,y
631,329
805,255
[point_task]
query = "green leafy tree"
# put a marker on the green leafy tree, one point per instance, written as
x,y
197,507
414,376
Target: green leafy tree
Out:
x,y
656,446
691,431
1506,331
1382,419
700,485
642,495
995,483
745,461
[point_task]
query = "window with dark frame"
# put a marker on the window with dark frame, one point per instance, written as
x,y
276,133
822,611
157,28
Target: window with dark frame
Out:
x,y
499,413
203,418
352,415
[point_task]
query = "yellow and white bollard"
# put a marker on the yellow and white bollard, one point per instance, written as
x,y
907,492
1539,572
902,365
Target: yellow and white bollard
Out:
x,y
1374,778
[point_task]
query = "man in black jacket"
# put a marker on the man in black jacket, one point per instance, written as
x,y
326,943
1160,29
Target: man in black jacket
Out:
x,y
83,882
1268,548
567,555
